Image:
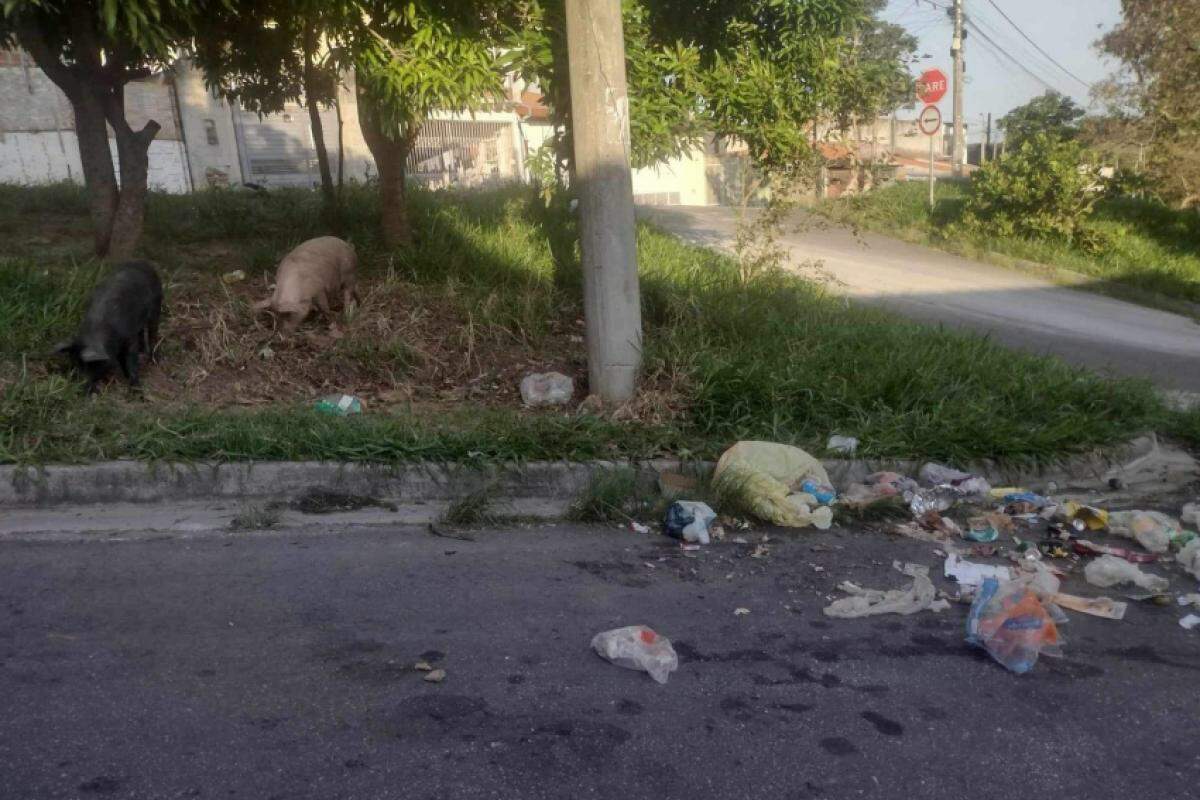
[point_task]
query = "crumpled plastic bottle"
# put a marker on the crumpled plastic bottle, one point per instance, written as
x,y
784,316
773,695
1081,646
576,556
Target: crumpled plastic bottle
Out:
x,y
339,405
638,647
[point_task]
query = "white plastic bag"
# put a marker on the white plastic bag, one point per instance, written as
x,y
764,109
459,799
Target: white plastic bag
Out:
x,y
919,596
1189,558
1153,530
1108,571
638,647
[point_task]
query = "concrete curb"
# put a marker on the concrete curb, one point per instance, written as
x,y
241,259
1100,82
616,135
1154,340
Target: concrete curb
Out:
x,y
1144,465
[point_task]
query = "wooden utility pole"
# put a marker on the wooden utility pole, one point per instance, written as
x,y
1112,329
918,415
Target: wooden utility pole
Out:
x,y
959,156
600,128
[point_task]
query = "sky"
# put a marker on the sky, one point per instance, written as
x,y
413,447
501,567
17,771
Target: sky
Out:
x,y
1065,29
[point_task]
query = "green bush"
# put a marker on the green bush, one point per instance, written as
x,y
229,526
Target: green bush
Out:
x,y
1040,191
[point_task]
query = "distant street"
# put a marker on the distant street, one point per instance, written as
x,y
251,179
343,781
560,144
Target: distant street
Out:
x,y
279,665
1017,309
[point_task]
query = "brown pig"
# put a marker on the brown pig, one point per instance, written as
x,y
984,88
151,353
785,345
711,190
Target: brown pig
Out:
x,y
309,275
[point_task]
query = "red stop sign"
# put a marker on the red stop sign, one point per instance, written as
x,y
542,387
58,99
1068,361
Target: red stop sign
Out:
x,y
932,85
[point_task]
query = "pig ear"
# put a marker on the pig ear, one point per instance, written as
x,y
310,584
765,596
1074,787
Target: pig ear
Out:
x,y
92,353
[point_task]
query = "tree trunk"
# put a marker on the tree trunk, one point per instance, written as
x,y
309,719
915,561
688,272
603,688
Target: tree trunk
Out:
x,y
390,154
312,93
133,152
96,91
99,177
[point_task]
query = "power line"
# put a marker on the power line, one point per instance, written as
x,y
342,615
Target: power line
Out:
x,y
1037,46
1013,48
1001,51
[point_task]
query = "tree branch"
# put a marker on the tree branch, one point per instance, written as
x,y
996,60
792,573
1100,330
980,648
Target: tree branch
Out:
x,y
30,37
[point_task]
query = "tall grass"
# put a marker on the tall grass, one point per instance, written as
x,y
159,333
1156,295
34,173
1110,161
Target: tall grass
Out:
x,y
772,358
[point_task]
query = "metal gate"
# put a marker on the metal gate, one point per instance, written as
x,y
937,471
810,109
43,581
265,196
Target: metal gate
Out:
x,y
277,149
465,153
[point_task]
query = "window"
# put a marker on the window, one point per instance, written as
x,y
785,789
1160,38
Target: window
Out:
x,y
210,132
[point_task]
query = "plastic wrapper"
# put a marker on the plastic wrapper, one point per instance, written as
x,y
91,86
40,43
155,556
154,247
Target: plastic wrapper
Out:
x,y
878,486
1108,571
1009,621
689,520
640,648
1189,558
1153,530
769,476
964,484
919,596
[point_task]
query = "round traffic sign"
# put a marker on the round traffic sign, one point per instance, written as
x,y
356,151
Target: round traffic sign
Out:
x,y
932,85
930,121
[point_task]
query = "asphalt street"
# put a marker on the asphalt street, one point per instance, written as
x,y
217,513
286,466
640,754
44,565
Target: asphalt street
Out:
x,y
280,665
1015,308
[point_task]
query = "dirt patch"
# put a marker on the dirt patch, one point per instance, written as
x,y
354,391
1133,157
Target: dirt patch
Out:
x,y
323,501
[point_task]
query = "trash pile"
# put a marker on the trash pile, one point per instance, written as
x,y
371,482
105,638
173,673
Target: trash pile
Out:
x,y
1016,610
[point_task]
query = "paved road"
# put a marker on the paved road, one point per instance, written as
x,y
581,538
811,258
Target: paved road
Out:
x,y
1017,309
278,666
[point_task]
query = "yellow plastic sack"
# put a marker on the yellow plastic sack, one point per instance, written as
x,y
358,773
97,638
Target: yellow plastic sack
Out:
x,y
769,475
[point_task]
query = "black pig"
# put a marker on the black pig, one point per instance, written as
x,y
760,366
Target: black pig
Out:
x,y
121,321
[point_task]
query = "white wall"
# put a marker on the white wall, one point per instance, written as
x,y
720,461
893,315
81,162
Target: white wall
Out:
x,y
31,158
679,181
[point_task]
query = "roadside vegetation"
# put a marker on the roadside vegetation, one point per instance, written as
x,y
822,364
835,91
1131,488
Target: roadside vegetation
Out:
x,y
1139,250
489,292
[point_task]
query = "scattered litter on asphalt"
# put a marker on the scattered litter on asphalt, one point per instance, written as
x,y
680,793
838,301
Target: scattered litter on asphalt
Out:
x,y
842,444
768,476
689,520
1009,621
339,405
741,612
638,647
1191,514
1189,600
1096,606
638,527
423,666
1190,621
1107,571
435,676
968,573
919,596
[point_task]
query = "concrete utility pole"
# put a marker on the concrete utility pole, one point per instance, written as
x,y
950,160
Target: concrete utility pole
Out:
x,y
987,142
600,127
956,49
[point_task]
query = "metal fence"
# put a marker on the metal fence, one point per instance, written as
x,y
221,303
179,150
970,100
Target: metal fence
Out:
x,y
466,153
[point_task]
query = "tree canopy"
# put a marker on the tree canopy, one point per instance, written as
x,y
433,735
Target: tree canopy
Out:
x,y
1052,114
1153,99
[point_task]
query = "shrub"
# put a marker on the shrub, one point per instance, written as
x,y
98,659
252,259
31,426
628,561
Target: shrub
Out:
x,y
1040,191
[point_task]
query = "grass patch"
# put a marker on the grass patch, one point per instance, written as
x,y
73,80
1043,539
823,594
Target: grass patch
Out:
x,y
489,292
612,495
254,517
471,509
1151,255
